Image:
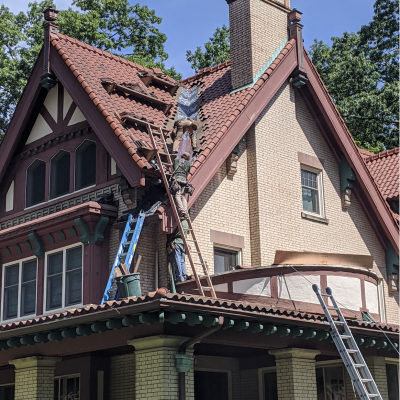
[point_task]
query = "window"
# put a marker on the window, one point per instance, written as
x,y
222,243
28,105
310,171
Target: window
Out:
x,y
270,386
7,392
210,385
66,388
63,278
35,183
85,165
392,375
59,174
225,260
330,383
311,187
19,291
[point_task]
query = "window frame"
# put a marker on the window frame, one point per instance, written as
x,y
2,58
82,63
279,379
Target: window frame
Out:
x,y
46,167
64,275
69,177
9,385
69,376
75,169
320,189
261,386
331,364
20,263
228,248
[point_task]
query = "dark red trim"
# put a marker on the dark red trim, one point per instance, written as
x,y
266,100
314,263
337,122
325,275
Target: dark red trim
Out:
x,y
69,114
48,118
127,165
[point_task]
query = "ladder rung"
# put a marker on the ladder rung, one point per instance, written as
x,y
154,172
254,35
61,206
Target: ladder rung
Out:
x,y
198,263
197,252
126,243
371,395
345,336
190,240
123,254
352,351
339,322
206,287
157,133
332,308
359,365
365,380
164,163
326,295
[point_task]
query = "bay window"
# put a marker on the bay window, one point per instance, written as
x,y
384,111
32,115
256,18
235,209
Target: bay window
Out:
x,y
19,289
63,278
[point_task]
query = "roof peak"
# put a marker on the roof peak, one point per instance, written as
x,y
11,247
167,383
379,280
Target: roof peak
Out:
x,y
207,70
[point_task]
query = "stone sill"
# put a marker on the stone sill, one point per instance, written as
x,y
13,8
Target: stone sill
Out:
x,y
315,218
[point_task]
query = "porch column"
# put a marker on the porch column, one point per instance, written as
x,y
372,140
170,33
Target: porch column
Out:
x,y
295,371
156,376
34,377
377,367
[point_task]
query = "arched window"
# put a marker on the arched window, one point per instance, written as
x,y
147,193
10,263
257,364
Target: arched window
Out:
x,y
35,183
59,174
85,165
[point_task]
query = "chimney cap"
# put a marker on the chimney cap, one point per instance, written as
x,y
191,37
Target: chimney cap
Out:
x,y
50,14
295,16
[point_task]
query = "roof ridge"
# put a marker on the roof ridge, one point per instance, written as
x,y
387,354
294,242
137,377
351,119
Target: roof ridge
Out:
x,y
204,71
383,154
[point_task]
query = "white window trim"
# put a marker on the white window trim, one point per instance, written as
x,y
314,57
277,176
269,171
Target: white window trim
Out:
x,y
64,273
321,198
390,360
261,388
70,376
226,371
19,262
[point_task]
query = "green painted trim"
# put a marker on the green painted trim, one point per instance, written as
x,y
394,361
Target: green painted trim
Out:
x,y
282,331
84,330
255,327
241,325
392,260
130,320
99,230
100,327
61,235
83,230
14,343
28,340
8,253
69,333
41,337
296,332
193,319
73,232
183,362
175,317
27,246
37,244
17,248
114,323
50,238
55,336
346,174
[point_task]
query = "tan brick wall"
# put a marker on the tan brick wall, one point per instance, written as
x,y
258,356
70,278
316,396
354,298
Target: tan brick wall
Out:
x,y
284,128
122,377
295,372
257,29
34,378
223,206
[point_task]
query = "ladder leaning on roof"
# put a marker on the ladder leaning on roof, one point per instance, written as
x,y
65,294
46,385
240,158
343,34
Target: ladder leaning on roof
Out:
x,y
125,253
166,168
351,355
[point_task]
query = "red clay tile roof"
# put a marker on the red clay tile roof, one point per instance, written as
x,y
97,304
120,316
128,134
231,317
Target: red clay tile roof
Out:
x,y
89,65
384,168
210,303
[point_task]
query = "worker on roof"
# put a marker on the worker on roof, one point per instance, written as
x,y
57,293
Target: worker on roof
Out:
x,y
180,127
176,249
179,184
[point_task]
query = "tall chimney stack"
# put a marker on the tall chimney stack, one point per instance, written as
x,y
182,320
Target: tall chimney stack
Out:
x,y
257,29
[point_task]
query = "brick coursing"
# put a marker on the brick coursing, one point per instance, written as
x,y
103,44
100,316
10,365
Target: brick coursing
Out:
x,y
36,383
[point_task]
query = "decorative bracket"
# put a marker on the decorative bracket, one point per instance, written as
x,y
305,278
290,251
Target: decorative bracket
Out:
x,y
83,230
347,177
99,229
392,267
37,244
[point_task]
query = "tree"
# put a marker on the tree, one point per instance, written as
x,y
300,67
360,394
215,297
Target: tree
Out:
x,y
217,50
360,72
111,25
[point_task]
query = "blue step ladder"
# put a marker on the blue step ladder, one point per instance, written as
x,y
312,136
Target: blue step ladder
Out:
x,y
125,253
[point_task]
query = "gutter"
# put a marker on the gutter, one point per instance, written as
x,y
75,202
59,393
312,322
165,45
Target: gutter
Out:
x,y
183,362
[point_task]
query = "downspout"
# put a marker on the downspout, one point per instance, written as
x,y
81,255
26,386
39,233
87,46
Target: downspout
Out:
x,y
180,356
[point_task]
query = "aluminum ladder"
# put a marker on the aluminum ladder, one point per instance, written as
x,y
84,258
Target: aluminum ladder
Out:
x,y
166,168
351,355
125,253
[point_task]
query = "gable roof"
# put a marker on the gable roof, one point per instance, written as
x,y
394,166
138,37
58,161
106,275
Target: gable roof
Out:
x,y
226,117
384,168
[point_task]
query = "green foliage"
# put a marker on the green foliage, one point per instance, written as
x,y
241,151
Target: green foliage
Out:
x,y
360,72
111,25
217,50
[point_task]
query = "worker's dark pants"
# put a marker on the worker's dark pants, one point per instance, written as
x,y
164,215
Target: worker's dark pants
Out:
x,y
178,262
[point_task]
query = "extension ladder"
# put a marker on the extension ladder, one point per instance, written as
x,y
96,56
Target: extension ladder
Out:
x,y
166,168
125,253
351,355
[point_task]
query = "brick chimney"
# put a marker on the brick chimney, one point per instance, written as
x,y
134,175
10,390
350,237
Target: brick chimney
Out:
x,y
257,29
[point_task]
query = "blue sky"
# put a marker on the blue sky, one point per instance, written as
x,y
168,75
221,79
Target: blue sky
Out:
x,y
189,23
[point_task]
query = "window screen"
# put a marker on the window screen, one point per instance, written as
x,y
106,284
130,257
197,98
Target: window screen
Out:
x,y
85,165
59,174
35,183
224,260
210,385
309,183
